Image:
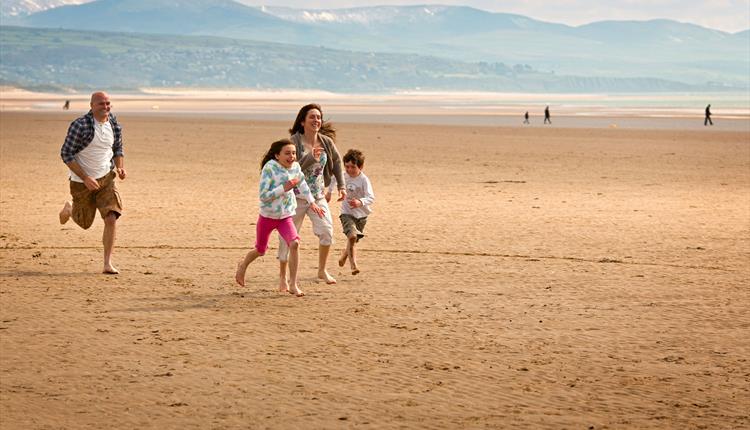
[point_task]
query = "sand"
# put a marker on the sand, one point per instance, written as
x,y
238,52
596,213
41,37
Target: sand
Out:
x,y
511,278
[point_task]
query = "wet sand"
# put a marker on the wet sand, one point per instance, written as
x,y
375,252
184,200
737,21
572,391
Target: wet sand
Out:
x,y
511,277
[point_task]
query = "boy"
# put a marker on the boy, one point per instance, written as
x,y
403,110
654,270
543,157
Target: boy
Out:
x,y
356,207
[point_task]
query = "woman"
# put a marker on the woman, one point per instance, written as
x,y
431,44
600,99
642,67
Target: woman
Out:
x,y
320,160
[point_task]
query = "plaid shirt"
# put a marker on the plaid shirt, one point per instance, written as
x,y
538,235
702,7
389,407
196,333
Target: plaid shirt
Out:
x,y
81,133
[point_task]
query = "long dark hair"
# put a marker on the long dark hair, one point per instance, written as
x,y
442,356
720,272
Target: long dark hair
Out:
x,y
326,128
274,150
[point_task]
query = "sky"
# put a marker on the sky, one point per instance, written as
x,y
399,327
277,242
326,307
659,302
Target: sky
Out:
x,y
725,15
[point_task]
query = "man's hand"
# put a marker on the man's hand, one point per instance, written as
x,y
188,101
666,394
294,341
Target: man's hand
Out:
x,y
90,183
121,173
342,195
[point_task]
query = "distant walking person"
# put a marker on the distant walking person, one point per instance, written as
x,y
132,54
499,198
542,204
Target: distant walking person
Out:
x,y
93,153
546,116
526,117
66,105
708,121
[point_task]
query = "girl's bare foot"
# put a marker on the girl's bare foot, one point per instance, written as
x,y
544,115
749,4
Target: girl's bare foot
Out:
x,y
295,290
283,286
65,213
239,275
324,275
110,270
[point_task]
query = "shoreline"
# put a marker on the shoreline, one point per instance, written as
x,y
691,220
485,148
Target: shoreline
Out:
x,y
633,111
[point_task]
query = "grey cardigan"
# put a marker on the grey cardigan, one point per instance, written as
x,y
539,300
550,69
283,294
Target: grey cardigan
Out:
x,y
332,167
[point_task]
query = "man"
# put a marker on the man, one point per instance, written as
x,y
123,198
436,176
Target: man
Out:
x,y
546,116
708,121
93,153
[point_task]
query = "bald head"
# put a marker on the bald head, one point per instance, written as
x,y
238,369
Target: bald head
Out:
x,y
100,105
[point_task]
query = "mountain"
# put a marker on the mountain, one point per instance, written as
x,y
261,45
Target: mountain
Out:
x,y
62,59
12,8
184,17
659,49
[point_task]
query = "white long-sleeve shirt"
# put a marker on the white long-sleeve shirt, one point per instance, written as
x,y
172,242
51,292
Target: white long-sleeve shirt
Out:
x,y
358,187
274,201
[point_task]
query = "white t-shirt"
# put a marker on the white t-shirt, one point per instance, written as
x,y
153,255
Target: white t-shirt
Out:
x,y
358,188
96,158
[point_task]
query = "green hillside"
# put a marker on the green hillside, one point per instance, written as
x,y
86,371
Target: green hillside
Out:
x,y
81,60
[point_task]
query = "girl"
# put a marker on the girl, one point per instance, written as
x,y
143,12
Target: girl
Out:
x,y
280,173
320,161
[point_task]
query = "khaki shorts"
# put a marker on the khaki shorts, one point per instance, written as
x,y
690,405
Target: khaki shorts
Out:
x,y
85,202
353,226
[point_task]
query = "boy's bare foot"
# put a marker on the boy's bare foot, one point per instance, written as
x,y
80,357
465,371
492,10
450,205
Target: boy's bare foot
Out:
x,y
324,275
239,275
342,260
295,290
65,212
110,270
284,286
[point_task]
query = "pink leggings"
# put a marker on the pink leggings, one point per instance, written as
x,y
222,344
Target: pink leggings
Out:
x,y
266,226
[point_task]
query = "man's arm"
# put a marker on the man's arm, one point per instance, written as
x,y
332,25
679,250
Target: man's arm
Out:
x,y
120,167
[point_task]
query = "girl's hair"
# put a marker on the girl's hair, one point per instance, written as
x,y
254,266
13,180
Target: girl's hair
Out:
x,y
326,128
274,150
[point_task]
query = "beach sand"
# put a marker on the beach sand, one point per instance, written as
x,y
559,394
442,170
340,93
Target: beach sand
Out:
x,y
511,278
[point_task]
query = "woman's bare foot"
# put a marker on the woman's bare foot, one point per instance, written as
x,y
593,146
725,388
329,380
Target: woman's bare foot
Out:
x,y
283,285
324,275
239,275
110,270
295,290
65,212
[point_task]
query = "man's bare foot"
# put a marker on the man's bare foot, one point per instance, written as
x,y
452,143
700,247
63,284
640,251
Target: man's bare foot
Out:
x,y
110,270
295,290
283,286
239,275
324,275
342,260
66,212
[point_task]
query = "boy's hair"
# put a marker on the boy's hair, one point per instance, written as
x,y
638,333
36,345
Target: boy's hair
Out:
x,y
274,150
355,156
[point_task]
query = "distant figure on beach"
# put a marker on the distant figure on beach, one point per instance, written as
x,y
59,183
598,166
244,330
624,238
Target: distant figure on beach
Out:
x,y
356,207
93,153
708,121
526,117
66,105
546,116
320,161
280,174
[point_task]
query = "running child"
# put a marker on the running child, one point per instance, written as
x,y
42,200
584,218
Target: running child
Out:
x,y
280,174
356,207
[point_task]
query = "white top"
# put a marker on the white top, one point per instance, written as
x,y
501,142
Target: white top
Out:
x,y
274,201
96,158
360,188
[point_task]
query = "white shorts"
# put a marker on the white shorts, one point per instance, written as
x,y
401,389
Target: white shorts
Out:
x,y
322,227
